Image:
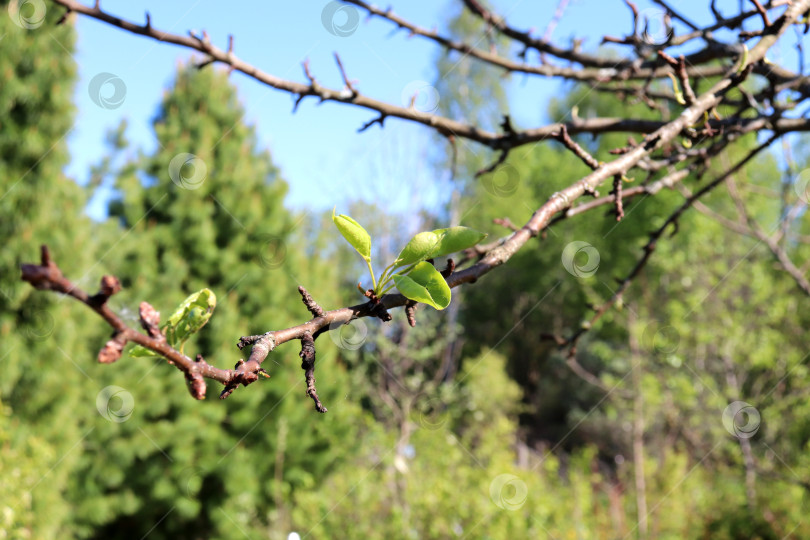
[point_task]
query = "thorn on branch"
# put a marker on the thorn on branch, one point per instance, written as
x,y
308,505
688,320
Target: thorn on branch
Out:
x,y
506,125
44,276
410,312
679,66
505,222
451,266
208,61
307,355
763,13
617,196
379,120
631,143
348,84
563,136
311,304
313,84
148,25
494,165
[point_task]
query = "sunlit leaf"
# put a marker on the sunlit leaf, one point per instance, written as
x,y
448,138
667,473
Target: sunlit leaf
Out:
x,y
424,284
418,249
190,316
354,233
456,239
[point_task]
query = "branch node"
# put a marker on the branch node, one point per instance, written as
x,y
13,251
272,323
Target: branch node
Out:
x,y
410,312
150,320
307,355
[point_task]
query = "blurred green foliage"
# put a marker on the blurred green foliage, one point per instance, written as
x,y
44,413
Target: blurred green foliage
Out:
x,y
471,428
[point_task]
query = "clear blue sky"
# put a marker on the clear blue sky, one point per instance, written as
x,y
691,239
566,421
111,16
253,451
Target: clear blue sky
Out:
x,y
324,159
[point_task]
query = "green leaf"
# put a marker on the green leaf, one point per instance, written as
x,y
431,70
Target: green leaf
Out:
x,y
424,284
354,233
190,316
427,245
419,248
142,352
456,239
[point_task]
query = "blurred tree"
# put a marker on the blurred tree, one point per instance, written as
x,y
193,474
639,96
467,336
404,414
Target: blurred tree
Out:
x,y
43,383
206,210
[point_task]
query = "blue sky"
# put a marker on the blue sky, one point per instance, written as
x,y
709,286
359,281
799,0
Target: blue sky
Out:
x,y
318,149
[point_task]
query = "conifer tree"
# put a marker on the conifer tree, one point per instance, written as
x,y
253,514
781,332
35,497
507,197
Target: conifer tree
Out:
x,y
206,211
43,339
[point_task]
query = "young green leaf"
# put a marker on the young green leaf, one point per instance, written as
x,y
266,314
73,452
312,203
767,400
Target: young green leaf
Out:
x,y
427,245
190,316
354,233
141,352
419,248
456,239
424,284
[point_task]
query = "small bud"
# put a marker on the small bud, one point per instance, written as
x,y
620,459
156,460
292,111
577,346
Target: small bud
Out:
x,y
112,349
196,385
110,285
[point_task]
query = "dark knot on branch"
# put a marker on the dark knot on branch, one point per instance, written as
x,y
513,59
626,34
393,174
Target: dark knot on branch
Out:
x,y
307,355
